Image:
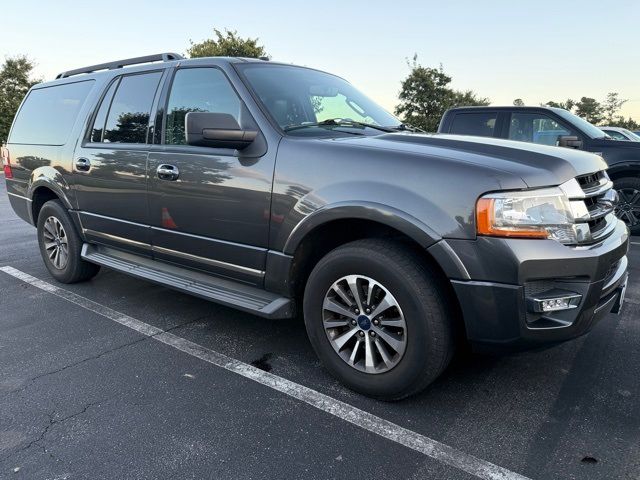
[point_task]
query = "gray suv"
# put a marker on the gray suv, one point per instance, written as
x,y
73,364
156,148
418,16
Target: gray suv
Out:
x,y
283,191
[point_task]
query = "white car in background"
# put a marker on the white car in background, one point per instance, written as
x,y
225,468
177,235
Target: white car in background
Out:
x,y
617,133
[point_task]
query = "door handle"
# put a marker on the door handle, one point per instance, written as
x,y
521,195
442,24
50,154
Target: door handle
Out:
x,y
167,172
83,164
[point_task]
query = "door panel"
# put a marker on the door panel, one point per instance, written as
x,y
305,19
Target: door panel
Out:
x,y
110,167
214,215
112,195
217,211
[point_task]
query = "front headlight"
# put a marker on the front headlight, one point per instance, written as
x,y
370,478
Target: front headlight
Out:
x,y
543,213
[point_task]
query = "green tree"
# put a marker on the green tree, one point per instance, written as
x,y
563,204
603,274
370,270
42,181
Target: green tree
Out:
x,y
15,82
227,44
589,109
611,106
518,102
425,95
568,105
622,122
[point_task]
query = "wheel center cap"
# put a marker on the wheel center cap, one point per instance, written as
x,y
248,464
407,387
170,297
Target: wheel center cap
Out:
x,y
364,322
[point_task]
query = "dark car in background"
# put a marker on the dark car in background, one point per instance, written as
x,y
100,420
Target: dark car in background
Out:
x,y
555,126
282,190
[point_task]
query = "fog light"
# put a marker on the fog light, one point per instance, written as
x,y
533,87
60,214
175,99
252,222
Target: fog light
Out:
x,y
553,301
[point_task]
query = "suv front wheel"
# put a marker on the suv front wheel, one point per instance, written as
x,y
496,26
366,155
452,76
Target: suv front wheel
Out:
x,y
377,318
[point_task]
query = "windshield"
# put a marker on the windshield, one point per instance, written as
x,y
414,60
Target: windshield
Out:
x,y
298,98
591,130
631,135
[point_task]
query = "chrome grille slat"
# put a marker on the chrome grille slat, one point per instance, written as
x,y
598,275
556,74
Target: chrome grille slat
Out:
x,y
592,207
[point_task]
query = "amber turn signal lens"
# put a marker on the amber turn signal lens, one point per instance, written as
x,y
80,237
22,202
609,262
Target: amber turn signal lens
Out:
x,y
485,219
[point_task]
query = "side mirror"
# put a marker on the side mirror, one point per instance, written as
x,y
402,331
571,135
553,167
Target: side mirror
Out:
x,y
569,141
220,130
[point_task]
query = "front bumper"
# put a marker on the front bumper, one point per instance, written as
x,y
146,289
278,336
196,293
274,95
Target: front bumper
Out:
x,y
496,279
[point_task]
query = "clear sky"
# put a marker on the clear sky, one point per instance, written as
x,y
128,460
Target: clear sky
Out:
x,y
503,50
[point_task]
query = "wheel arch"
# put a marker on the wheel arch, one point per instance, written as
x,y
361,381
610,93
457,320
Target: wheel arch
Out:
x,y
338,230
624,169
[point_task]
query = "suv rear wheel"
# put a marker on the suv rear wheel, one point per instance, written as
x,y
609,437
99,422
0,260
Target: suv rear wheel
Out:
x,y
628,208
377,318
60,245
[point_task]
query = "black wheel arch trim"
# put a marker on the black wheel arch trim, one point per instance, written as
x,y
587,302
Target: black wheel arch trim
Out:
x,y
620,168
375,212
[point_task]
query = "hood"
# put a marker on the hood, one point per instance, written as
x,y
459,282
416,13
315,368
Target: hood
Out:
x,y
536,165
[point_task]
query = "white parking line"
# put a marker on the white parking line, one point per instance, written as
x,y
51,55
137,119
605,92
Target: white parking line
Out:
x,y
634,243
425,445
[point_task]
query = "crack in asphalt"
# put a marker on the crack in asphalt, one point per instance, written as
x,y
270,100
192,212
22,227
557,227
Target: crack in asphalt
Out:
x,y
33,380
52,421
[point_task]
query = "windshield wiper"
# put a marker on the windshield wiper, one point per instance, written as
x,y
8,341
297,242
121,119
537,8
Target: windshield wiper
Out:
x,y
337,122
405,127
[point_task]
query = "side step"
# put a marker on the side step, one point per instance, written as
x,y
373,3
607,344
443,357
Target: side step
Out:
x,y
226,292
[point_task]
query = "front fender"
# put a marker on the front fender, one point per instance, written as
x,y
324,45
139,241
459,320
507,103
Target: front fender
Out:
x,y
376,212
616,169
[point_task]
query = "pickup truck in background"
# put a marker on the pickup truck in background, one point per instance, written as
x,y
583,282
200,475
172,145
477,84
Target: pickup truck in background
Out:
x,y
555,126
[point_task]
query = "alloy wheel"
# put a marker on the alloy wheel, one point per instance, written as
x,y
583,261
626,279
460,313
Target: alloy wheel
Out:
x,y
628,208
56,243
364,324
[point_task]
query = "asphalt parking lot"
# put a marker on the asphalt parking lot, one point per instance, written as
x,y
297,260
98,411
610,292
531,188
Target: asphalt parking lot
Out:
x,y
119,378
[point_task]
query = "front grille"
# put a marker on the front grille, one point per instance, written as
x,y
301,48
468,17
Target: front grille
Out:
x,y
590,180
592,202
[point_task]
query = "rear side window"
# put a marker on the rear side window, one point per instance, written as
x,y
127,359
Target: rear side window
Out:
x,y
48,114
482,124
97,130
128,117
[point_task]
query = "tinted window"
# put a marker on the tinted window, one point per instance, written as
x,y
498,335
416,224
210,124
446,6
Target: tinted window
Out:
x,y
48,114
481,124
535,128
128,116
101,116
295,96
198,90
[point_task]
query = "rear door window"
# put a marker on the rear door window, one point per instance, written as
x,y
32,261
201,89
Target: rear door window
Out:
x,y
48,114
128,117
536,128
482,124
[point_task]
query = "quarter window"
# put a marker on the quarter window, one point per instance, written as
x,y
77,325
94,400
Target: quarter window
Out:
x,y
128,117
49,114
536,128
481,124
198,90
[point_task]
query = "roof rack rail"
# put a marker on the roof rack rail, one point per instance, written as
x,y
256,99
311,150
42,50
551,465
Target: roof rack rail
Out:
x,y
160,57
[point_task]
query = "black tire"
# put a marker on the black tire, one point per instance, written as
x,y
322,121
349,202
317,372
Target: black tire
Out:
x,y
628,210
419,293
75,269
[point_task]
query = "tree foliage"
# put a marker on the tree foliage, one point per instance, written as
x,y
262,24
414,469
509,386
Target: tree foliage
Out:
x,y
227,44
589,109
518,102
15,82
611,106
598,113
425,96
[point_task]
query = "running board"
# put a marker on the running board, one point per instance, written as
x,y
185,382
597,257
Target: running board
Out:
x,y
225,292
